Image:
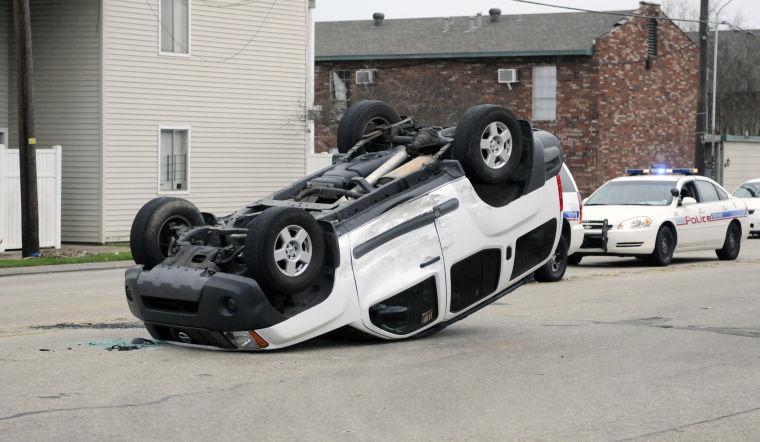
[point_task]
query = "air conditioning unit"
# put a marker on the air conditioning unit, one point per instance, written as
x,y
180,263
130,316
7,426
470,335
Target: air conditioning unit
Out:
x,y
366,76
508,76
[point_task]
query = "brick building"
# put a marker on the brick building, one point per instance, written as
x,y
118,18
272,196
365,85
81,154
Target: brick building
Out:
x,y
619,90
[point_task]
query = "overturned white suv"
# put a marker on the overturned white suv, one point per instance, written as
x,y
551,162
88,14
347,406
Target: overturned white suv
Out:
x,y
410,230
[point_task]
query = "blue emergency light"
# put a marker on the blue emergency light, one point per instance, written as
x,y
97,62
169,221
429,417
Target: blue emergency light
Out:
x,y
661,171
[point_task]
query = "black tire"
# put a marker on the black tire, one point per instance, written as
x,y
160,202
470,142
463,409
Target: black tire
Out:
x,y
264,237
474,128
554,269
574,259
732,245
361,118
664,246
157,222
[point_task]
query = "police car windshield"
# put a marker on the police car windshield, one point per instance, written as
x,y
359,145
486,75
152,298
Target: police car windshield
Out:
x,y
748,190
633,193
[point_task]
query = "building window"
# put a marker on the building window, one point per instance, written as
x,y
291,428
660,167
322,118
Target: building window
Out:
x,y
652,37
175,26
544,93
174,157
340,85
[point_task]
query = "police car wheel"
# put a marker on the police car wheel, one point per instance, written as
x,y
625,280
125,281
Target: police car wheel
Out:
x,y
732,244
554,269
664,246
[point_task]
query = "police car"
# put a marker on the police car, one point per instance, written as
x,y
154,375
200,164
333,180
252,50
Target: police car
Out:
x,y
750,193
572,230
652,213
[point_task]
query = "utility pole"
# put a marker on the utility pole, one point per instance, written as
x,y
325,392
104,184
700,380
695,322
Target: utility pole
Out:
x,y
699,146
30,238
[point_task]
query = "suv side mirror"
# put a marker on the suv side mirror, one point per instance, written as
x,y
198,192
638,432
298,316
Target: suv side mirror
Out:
x,y
675,192
688,201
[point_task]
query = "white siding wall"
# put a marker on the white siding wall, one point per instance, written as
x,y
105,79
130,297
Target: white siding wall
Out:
x,y
65,43
5,35
245,114
743,158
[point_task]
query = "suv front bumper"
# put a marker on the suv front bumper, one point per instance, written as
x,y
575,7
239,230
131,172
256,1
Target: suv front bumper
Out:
x,y
191,306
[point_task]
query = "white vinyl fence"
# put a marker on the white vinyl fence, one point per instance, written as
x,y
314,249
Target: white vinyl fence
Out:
x,y
49,198
317,161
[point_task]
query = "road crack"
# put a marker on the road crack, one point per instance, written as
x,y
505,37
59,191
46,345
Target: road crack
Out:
x,y
693,424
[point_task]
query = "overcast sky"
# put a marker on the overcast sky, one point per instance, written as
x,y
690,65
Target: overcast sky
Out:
x,y
329,10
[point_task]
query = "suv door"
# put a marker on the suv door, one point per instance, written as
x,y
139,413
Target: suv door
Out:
x,y
689,219
398,269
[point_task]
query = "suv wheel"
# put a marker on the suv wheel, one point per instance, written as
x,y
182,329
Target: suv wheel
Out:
x,y
488,144
284,250
554,269
362,118
158,222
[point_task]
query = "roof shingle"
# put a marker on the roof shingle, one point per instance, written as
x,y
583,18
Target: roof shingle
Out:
x,y
513,35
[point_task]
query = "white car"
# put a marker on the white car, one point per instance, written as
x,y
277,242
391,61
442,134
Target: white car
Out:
x,y
572,230
410,230
750,193
654,213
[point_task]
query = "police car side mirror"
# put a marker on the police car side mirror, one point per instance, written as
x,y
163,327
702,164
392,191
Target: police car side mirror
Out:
x,y
675,192
688,201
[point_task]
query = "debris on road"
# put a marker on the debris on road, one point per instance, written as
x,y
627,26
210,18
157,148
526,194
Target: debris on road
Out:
x,y
123,345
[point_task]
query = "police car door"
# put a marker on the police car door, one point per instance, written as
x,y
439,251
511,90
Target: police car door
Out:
x,y
689,219
716,224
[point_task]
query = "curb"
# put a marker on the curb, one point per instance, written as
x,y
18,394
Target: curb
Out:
x,y
62,268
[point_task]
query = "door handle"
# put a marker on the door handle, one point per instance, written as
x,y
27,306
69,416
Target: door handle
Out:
x,y
430,262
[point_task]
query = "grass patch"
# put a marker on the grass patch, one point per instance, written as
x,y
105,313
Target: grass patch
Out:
x,y
102,257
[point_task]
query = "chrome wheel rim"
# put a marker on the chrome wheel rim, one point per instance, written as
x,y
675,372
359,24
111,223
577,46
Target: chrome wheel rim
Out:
x,y
665,246
172,228
374,124
292,250
554,263
496,145
732,239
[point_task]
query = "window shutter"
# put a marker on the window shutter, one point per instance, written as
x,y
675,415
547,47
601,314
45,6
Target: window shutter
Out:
x,y
652,37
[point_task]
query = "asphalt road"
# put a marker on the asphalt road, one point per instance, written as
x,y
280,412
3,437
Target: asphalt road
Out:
x,y
618,350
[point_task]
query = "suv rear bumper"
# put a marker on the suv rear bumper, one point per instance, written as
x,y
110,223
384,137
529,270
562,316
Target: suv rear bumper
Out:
x,y
180,298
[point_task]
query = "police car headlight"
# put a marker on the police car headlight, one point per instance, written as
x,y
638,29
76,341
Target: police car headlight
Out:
x,y
641,222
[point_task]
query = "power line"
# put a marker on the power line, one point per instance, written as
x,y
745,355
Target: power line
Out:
x,y
222,5
618,14
236,53
736,28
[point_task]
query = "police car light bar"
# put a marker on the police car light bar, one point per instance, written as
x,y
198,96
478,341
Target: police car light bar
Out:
x,y
661,171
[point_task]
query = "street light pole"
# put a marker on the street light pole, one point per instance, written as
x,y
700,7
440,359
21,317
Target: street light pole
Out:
x,y
715,63
714,149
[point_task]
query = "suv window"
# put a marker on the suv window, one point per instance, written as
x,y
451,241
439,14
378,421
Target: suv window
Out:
x,y
567,182
707,191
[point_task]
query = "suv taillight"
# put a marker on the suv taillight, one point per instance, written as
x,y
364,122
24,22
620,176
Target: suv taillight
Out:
x,y
561,198
580,208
